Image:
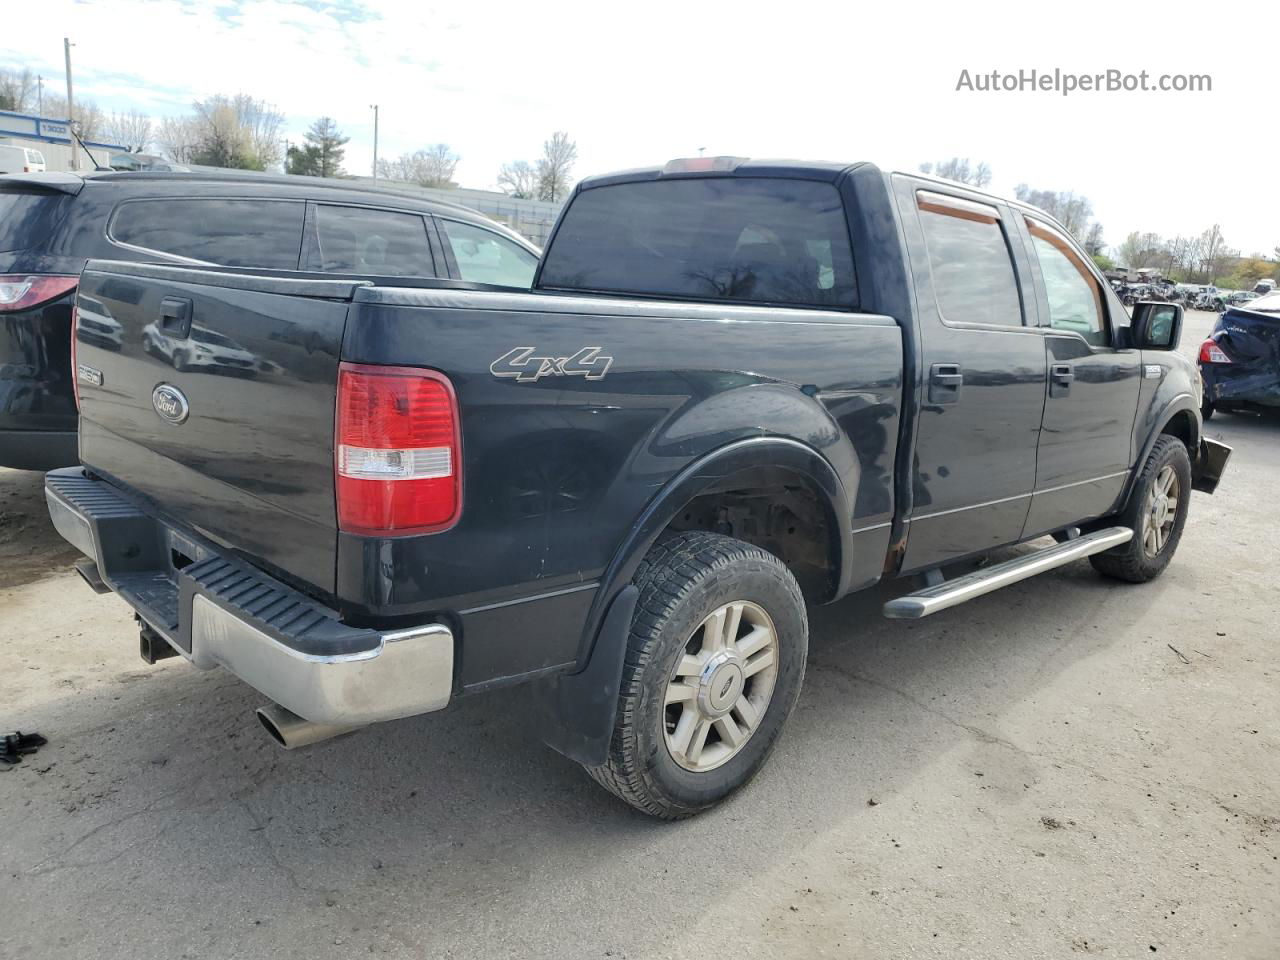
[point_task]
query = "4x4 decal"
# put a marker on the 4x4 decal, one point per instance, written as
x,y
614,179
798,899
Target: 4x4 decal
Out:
x,y
521,364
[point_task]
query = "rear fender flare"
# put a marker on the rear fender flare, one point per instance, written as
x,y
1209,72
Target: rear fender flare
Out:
x,y
800,459
577,710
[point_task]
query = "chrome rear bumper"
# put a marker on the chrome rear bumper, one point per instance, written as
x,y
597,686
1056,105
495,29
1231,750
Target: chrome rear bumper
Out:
x,y
219,612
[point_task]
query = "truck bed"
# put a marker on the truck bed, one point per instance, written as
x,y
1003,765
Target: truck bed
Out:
x,y
575,412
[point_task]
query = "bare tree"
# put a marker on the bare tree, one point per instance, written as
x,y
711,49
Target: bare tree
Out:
x,y
960,170
432,167
1214,252
238,132
1070,209
18,91
89,119
131,130
1093,242
262,124
519,179
555,167
221,141
178,138
439,163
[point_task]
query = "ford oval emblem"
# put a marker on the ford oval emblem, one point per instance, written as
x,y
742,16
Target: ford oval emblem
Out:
x,y
170,403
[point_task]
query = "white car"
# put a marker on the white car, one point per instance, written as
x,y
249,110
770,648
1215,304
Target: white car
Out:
x,y
203,350
16,159
96,325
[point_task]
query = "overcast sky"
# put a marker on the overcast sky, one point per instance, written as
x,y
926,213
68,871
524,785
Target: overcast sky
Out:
x,y
640,83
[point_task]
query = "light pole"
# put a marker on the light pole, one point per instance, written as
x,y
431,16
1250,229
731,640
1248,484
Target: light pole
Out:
x,y
40,95
374,108
66,49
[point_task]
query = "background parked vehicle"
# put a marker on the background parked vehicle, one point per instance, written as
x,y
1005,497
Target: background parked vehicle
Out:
x,y
1240,361
19,159
51,223
145,162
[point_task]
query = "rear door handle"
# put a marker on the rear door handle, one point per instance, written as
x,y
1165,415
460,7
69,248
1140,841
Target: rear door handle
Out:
x,y
1060,377
175,317
945,380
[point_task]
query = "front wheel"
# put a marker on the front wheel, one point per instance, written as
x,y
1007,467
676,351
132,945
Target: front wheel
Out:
x,y
714,664
1156,512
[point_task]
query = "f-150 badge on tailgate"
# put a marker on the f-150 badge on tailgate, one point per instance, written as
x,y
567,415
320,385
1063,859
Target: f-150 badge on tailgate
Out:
x,y
521,364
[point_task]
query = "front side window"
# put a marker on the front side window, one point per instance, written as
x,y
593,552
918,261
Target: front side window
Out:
x,y
743,239
1075,300
486,257
361,240
973,277
231,233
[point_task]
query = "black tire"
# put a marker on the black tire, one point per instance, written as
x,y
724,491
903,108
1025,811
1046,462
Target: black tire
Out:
x,y
1132,561
683,580
1206,409
180,360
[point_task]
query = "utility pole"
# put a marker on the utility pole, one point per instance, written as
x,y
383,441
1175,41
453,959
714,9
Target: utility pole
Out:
x,y
374,107
40,96
75,160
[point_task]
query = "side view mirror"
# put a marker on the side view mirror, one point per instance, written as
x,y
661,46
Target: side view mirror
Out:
x,y
1155,325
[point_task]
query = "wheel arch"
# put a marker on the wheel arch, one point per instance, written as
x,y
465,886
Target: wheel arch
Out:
x,y
1178,417
727,468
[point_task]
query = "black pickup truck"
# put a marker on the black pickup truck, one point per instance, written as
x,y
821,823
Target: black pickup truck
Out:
x,y
737,388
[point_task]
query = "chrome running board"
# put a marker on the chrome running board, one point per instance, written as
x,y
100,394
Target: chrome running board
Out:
x,y
949,593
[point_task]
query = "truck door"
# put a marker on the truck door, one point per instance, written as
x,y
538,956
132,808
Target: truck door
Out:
x,y
983,371
1086,443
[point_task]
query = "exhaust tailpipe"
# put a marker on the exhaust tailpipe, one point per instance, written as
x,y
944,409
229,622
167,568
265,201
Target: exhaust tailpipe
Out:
x,y
291,731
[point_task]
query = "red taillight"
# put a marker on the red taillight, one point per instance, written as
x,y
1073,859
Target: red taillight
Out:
x,y
398,451
1210,352
22,292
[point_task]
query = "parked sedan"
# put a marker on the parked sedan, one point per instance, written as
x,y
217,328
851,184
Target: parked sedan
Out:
x,y
1240,362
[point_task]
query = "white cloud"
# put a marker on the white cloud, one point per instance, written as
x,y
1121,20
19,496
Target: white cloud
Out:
x,y
639,83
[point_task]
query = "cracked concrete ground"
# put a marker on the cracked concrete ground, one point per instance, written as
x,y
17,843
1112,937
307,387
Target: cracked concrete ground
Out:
x,y
1034,774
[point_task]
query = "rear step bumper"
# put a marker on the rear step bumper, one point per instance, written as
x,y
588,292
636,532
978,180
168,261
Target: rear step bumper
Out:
x,y
218,611
922,603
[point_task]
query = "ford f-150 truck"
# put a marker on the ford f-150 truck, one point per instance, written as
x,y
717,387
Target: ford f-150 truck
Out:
x,y
737,388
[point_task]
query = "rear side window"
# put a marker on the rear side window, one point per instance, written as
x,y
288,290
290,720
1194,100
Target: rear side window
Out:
x,y
365,241
743,239
969,259
231,233
485,257
27,218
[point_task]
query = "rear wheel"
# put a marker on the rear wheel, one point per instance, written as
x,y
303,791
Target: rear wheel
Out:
x,y
1156,512
1206,408
713,669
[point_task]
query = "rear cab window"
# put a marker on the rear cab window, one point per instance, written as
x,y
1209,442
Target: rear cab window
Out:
x,y
228,232
969,260
27,217
369,241
740,239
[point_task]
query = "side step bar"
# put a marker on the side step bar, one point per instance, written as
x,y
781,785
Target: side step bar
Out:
x,y
949,593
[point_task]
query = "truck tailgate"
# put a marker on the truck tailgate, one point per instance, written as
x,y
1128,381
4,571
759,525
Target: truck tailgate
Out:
x,y
215,401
